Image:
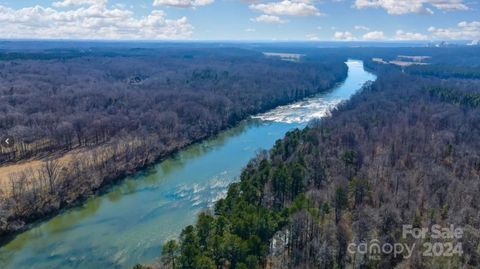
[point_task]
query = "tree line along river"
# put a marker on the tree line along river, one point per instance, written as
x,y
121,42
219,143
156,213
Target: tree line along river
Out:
x,y
129,223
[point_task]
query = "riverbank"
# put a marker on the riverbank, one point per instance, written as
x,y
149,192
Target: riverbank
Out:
x,y
129,223
403,152
51,185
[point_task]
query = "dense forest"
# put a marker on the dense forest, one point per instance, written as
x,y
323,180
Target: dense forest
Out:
x,y
443,62
405,150
82,118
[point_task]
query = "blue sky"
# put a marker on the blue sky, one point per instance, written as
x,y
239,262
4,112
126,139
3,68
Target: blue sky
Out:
x,y
376,20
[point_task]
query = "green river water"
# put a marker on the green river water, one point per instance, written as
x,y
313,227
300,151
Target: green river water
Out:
x,y
129,223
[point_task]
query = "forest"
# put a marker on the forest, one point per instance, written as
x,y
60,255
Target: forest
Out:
x,y
83,118
443,62
404,150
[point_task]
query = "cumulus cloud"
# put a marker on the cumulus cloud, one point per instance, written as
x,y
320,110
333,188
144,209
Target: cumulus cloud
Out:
x,y
287,7
345,36
375,35
402,35
182,3
268,19
91,20
463,30
396,7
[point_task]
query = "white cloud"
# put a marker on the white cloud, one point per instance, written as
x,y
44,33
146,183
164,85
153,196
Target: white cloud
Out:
x,y
464,30
449,4
93,21
375,35
474,43
361,27
67,3
345,36
250,30
182,3
287,7
268,19
312,37
399,7
402,35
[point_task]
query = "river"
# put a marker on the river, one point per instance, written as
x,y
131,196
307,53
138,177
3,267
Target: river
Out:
x,y
129,223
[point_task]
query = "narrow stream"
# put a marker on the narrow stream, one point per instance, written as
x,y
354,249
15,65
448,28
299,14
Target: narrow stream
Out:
x,y
128,224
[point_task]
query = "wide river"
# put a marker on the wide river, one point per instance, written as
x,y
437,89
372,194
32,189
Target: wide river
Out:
x,y
129,223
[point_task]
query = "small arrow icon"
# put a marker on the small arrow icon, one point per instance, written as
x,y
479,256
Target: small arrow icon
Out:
x,y
8,141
